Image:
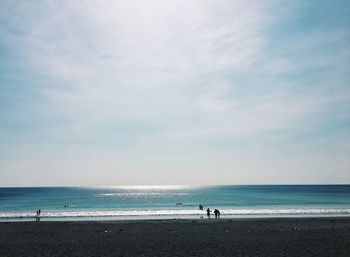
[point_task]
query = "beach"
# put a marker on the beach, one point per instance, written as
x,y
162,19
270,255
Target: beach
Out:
x,y
179,237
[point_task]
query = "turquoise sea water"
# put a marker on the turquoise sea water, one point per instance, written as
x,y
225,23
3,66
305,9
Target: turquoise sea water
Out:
x,y
173,201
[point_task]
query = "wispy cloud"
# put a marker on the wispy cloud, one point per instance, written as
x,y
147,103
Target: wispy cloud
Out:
x,y
121,75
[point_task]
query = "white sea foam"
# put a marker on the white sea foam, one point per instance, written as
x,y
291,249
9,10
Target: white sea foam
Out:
x,y
148,194
186,212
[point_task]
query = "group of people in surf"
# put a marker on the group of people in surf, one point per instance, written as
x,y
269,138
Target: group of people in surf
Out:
x,y
216,211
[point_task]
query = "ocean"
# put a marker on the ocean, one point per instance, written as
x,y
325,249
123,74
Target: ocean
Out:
x,y
149,202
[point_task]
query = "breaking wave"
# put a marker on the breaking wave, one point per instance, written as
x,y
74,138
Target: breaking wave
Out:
x,y
177,213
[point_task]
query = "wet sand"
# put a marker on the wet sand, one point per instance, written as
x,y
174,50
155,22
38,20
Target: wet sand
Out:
x,y
224,237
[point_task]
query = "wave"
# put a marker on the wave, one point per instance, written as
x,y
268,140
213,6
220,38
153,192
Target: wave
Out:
x,y
176,213
127,194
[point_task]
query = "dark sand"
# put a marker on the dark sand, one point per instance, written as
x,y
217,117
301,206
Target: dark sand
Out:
x,y
225,237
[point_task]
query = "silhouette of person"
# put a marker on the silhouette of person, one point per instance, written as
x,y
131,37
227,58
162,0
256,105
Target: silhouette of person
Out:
x,y
208,212
37,215
201,207
217,213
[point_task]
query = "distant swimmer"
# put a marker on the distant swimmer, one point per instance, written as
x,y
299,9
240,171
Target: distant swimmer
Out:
x,y
200,207
66,206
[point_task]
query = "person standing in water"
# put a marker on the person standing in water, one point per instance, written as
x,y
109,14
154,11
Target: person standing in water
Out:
x,y
217,213
38,212
208,212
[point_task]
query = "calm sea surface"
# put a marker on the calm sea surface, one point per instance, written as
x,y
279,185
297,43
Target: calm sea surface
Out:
x,y
173,201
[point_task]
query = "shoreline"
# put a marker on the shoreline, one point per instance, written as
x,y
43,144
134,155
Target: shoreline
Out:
x,y
322,236
184,220
183,213
170,217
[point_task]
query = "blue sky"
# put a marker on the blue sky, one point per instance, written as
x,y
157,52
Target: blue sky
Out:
x,y
174,92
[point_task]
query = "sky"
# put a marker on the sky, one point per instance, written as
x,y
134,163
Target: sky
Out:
x,y
174,92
